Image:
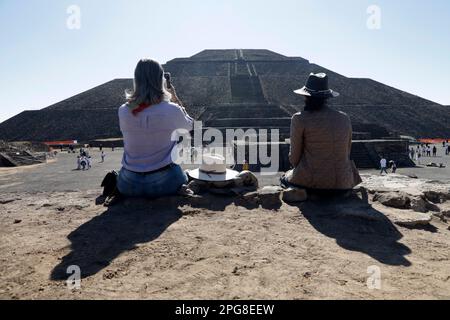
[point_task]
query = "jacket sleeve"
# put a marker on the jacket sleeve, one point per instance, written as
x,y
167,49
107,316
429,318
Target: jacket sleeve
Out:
x,y
297,130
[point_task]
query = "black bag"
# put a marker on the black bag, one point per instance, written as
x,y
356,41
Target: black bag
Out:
x,y
109,183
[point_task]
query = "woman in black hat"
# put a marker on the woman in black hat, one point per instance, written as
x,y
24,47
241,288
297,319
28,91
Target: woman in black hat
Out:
x,y
321,141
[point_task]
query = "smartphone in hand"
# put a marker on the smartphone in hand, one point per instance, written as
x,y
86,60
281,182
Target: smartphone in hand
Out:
x,y
167,76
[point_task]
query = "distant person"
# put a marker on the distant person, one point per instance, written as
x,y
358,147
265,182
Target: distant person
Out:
x,y
83,163
412,153
321,141
393,166
434,151
383,165
101,147
103,155
448,150
78,162
428,151
147,121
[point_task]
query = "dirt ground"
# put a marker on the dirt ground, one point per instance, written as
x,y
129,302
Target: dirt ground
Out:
x,y
213,249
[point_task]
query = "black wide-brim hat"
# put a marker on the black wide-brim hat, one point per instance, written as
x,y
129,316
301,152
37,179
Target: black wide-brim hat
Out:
x,y
317,86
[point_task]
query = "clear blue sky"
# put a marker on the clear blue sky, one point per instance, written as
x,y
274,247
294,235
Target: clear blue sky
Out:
x,y
43,62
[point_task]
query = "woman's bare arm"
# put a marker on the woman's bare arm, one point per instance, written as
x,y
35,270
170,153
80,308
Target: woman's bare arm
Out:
x,y
175,98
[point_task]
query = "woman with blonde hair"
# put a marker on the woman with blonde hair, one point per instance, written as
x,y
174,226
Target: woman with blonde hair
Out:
x,y
148,119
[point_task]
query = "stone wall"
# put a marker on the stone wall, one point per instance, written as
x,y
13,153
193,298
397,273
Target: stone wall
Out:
x,y
366,154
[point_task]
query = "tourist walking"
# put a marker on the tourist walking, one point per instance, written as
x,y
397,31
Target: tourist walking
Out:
x,y
383,165
89,162
103,155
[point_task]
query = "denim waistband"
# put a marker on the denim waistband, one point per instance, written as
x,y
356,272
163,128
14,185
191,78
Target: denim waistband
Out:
x,y
169,166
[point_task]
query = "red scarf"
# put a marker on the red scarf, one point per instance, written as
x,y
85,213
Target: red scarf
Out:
x,y
140,108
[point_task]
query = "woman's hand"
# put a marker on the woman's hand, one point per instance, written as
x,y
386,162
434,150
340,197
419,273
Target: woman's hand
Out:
x,y
175,98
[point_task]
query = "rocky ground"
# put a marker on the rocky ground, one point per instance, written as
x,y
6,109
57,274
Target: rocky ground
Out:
x,y
249,247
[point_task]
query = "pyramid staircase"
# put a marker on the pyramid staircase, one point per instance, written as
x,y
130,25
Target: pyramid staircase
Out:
x,y
247,116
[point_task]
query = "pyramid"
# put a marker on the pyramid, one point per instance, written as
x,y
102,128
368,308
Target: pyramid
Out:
x,y
238,89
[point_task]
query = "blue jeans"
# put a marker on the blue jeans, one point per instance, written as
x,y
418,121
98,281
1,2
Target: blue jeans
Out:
x,y
153,185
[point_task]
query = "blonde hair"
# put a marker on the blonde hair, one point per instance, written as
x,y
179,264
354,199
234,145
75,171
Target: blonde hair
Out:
x,y
149,84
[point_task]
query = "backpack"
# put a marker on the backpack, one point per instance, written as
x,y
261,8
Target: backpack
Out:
x,y
109,183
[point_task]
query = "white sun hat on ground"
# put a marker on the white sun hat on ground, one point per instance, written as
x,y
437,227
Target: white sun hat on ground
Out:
x,y
213,168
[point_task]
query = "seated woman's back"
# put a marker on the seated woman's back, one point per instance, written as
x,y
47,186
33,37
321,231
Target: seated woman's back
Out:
x,y
149,122
321,142
148,135
325,156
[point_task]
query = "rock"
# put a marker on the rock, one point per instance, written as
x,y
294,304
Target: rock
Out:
x,y
17,221
446,213
249,199
432,207
222,191
197,186
242,190
418,204
436,196
294,195
399,200
270,196
246,179
408,218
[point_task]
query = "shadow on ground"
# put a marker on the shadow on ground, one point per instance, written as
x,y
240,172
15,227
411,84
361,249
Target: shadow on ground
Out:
x,y
352,222
357,226
98,242
95,244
